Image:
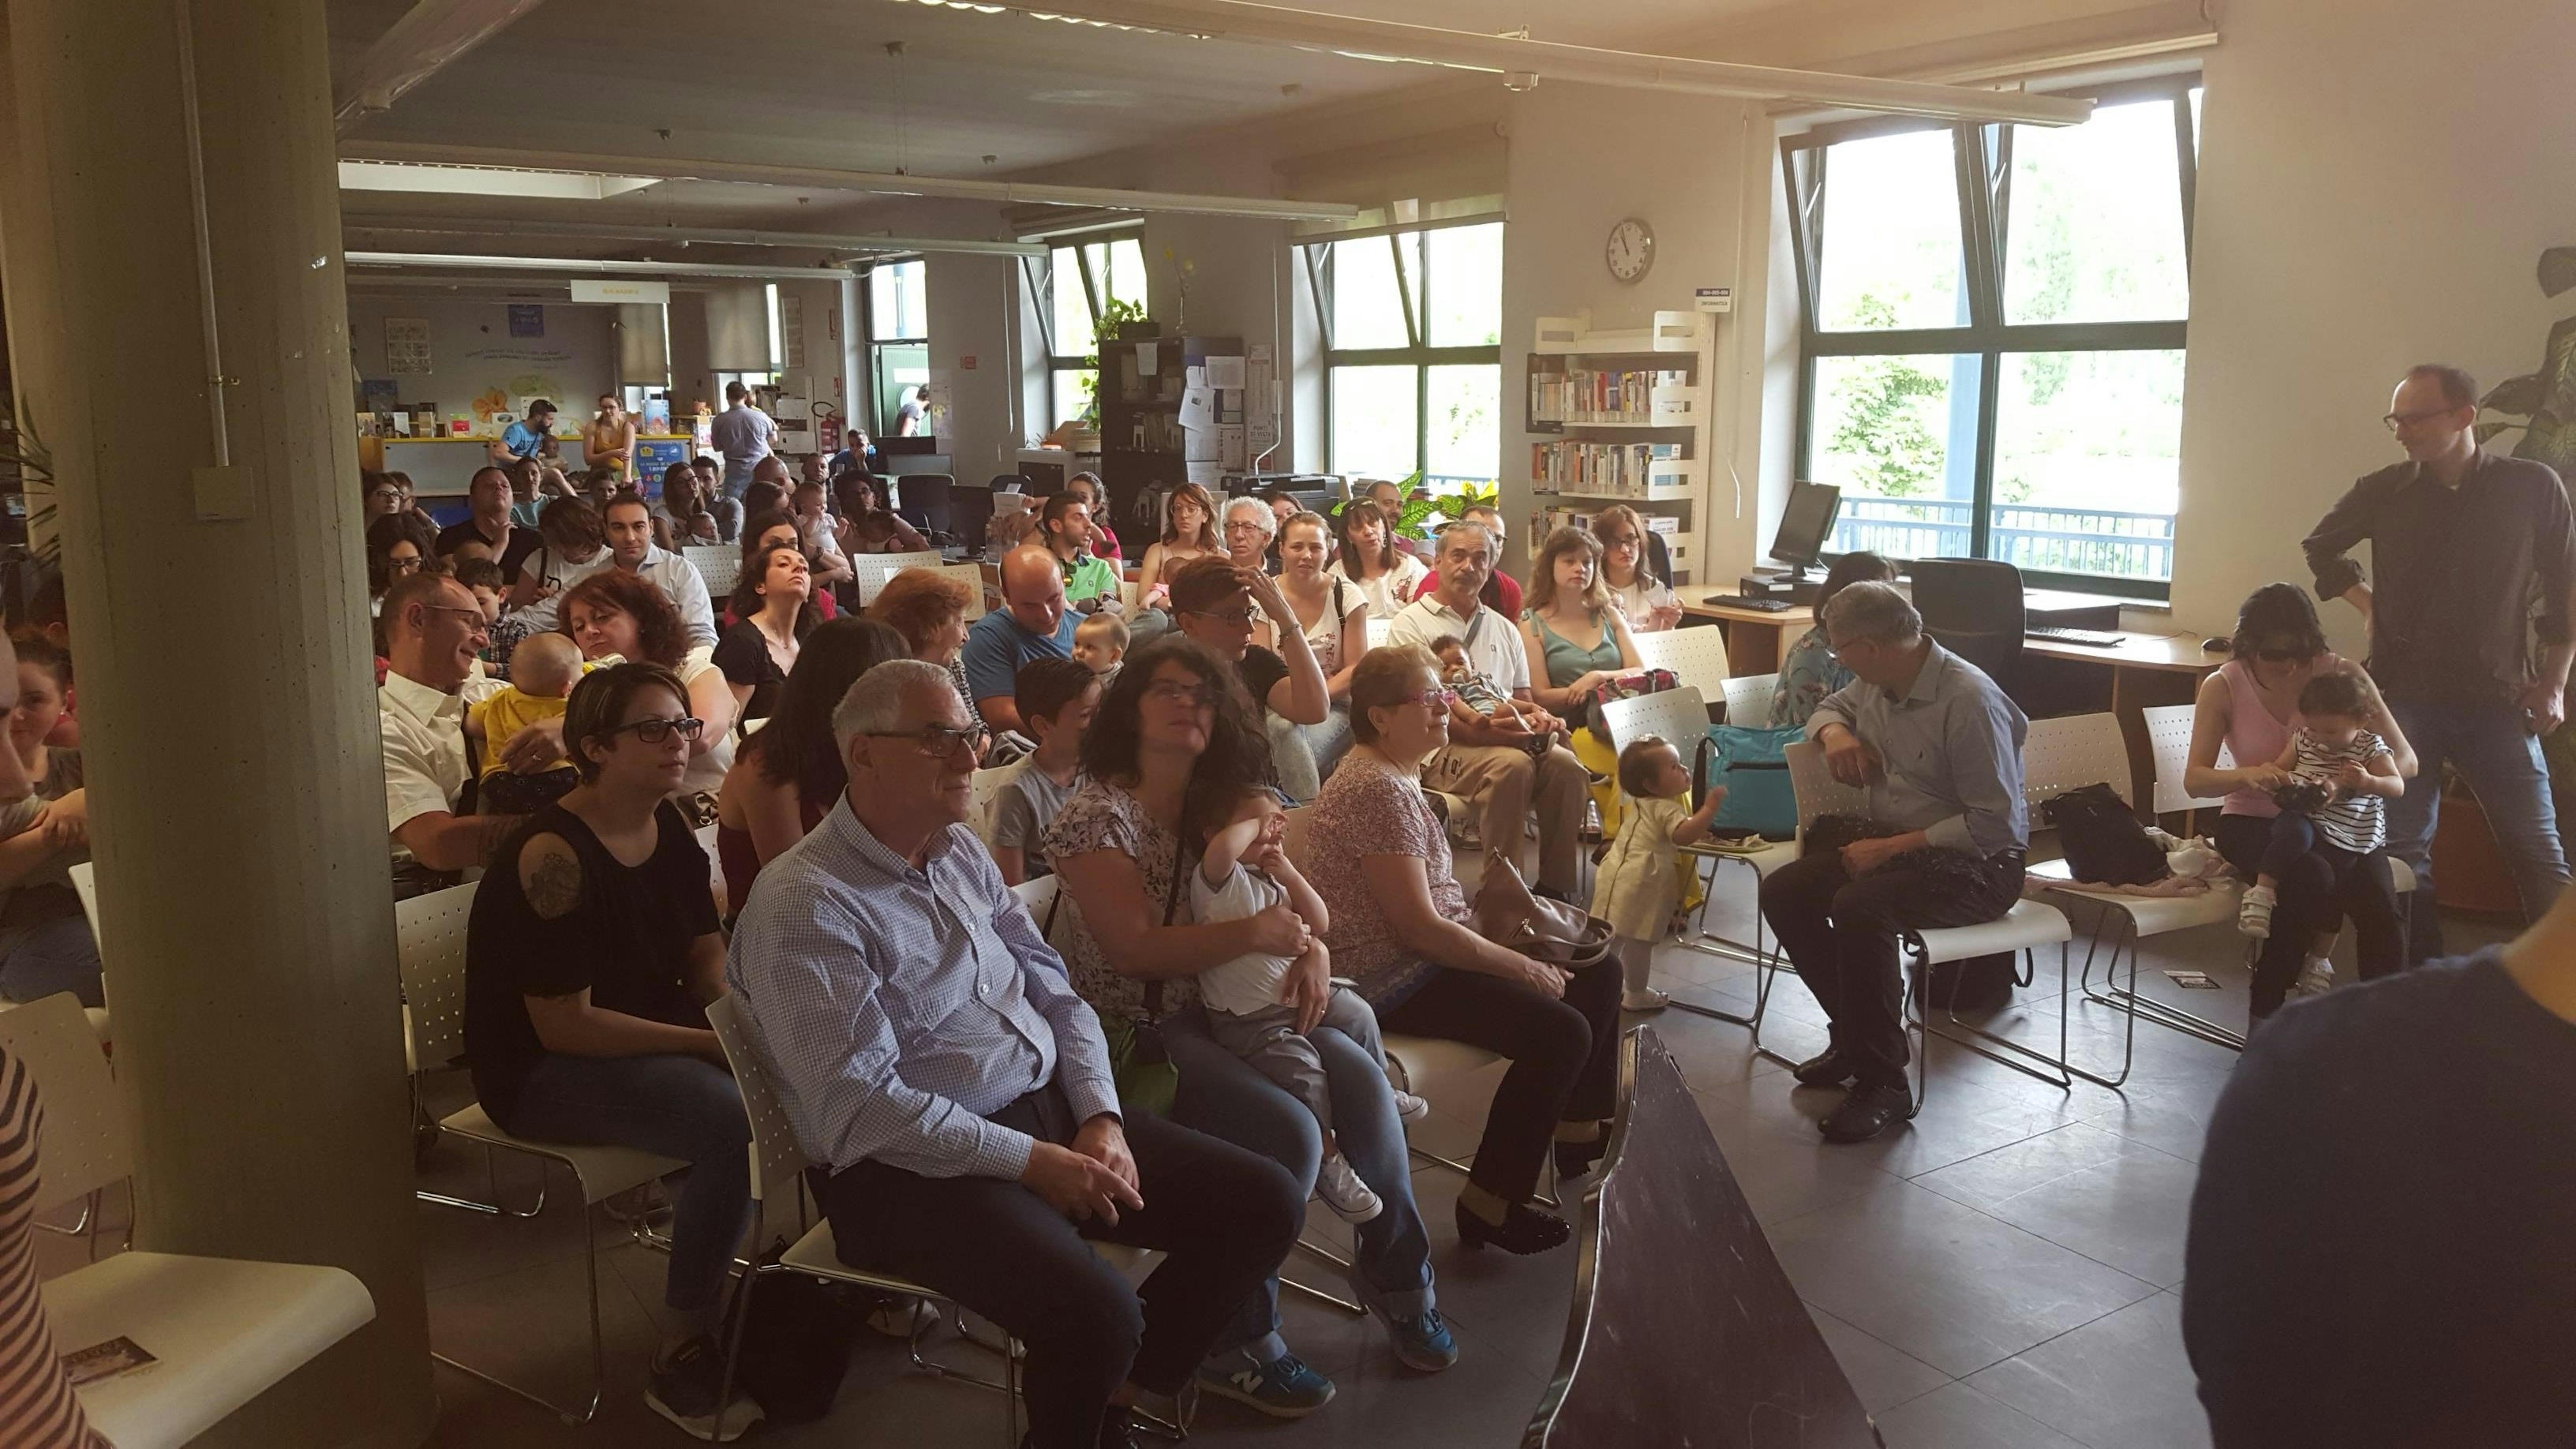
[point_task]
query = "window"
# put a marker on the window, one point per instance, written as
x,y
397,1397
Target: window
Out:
x,y
1082,284
1412,325
1994,319
898,338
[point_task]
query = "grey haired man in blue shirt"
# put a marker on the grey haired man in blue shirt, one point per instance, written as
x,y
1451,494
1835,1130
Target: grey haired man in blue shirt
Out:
x,y
1938,746
933,1059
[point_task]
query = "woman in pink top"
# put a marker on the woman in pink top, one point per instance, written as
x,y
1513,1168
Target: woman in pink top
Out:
x,y
2248,706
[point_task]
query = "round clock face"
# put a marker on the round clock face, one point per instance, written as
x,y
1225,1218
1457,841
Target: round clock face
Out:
x,y
1630,250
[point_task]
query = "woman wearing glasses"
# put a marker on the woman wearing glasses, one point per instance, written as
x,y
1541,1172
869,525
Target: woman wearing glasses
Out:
x,y
1648,602
2249,706
1173,741
398,546
616,616
590,959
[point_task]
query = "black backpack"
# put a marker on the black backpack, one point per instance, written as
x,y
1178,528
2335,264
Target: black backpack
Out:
x,y
2104,843
796,1347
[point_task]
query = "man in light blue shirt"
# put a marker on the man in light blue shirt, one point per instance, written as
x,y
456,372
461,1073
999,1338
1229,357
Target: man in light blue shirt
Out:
x,y
745,435
931,1056
1032,624
529,436
1938,746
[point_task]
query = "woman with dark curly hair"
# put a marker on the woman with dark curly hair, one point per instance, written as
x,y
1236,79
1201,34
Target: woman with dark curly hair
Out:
x,y
786,777
773,611
398,546
1172,749
614,615
866,526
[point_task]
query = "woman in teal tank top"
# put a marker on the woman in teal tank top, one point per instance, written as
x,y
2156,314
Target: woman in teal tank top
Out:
x,y
1567,604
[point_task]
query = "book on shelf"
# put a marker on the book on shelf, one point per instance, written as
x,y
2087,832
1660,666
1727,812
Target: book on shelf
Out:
x,y
1621,470
1578,396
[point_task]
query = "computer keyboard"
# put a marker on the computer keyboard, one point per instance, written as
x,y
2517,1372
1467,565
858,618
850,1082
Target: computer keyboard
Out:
x,y
2090,638
1739,601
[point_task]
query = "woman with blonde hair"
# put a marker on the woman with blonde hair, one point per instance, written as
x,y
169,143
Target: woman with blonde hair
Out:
x,y
1577,641
1189,532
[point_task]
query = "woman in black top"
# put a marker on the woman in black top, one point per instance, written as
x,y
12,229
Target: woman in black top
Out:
x,y
590,958
773,612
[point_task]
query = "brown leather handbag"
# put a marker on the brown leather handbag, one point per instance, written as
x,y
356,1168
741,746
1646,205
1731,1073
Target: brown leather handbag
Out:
x,y
1558,934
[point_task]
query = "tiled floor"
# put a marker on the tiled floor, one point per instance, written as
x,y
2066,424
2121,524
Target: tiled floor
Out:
x,y
2002,1272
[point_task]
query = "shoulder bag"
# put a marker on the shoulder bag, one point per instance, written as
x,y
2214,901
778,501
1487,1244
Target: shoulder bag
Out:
x,y
1508,914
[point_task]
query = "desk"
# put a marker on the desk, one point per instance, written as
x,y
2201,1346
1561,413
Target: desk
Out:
x,y
1756,642
2146,669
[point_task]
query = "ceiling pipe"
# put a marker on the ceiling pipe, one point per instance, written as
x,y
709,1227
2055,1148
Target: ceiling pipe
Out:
x,y
821,178
578,266
420,44
1523,63
689,236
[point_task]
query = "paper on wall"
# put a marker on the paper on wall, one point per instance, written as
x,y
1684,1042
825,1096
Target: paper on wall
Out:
x,y
1146,365
1229,446
1225,372
1198,408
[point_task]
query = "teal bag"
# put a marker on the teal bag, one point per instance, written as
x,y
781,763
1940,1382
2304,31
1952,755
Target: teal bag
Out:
x,y
1753,765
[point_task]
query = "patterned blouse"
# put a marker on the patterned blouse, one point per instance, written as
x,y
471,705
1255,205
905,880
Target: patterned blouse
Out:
x,y
1103,816
1806,677
37,1407
1370,808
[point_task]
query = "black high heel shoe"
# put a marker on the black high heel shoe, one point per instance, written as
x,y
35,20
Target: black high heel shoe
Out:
x,y
1573,1159
1524,1230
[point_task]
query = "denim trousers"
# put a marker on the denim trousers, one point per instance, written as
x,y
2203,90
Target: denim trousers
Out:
x,y
670,1105
52,956
2500,758
1226,1097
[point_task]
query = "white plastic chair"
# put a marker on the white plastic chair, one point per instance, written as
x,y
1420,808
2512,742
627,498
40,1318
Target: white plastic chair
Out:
x,y
984,798
430,935
1748,700
869,571
222,1329
972,576
720,564
1696,656
1380,631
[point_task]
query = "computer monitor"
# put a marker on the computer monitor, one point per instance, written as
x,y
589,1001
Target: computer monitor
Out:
x,y
1806,523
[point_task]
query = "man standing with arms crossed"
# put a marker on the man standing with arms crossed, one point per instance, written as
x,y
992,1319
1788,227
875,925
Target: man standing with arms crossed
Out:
x,y
2474,549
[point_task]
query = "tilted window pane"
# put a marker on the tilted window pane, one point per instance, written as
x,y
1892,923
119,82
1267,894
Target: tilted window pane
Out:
x,y
1368,311
1890,255
1373,419
2095,233
1072,308
1463,441
1466,279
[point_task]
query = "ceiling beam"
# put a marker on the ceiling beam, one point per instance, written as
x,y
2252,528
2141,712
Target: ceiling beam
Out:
x,y
689,236
577,266
823,178
420,44
1523,62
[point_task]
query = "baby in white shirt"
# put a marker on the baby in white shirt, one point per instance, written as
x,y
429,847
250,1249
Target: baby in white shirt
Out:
x,y
1243,872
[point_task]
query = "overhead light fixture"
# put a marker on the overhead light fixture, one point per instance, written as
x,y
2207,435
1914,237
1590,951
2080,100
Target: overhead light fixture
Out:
x,y
486,180
685,236
577,265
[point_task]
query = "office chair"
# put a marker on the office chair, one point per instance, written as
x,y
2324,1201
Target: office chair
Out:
x,y
1659,559
925,502
1974,607
970,513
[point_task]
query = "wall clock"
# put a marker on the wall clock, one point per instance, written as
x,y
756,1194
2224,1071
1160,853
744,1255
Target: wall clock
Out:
x,y
1630,252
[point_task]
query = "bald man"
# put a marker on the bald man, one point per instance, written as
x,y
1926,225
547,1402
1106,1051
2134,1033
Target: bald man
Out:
x,y
1032,623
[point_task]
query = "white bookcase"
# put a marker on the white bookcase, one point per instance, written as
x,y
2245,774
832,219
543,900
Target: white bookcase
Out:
x,y
1622,416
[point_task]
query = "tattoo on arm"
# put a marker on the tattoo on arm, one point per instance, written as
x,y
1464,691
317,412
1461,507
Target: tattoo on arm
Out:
x,y
553,880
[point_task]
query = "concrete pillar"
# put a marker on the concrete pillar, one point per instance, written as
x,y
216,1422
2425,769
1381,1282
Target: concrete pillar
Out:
x,y
222,644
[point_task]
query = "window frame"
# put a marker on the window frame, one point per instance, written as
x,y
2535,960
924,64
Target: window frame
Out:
x,y
1982,156
878,425
1095,293
1315,256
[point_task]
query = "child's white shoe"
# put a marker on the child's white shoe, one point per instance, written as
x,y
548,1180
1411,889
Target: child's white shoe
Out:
x,y
1344,1193
1410,1109
2316,978
2254,917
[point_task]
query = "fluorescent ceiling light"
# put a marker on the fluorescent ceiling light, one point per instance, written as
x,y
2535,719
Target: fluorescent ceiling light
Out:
x,y
486,180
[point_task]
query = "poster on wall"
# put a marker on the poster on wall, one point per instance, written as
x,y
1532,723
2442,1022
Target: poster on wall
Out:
x,y
942,388
407,346
527,319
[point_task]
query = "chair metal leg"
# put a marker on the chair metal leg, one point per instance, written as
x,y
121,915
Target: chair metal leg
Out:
x,y
598,1345
2060,1071
492,1187
2147,1008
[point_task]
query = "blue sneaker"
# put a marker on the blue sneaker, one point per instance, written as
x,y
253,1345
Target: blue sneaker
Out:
x,y
1283,1388
1423,1344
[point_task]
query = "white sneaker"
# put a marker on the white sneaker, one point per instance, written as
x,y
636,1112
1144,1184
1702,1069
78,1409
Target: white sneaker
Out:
x,y
1410,1109
2316,978
2254,917
1344,1193
1645,998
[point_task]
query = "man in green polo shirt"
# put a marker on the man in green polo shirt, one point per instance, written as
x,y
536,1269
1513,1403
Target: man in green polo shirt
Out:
x,y
1090,584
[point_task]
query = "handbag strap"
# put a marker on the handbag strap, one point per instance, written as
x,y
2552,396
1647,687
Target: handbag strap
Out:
x,y
1171,905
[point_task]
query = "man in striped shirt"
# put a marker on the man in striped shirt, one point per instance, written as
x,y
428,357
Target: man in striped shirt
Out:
x,y
931,1056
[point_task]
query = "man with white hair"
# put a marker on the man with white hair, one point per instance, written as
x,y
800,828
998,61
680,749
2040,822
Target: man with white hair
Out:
x,y
1939,748
932,1058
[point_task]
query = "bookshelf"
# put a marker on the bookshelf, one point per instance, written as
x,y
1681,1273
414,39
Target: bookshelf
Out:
x,y
1622,416
1146,444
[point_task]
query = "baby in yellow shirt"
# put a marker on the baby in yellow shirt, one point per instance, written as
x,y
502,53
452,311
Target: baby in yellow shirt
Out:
x,y
543,670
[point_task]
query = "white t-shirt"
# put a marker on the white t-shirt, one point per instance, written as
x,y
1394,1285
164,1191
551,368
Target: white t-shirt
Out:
x,y
1640,599
1494,647
910,413
1249,982
1389,591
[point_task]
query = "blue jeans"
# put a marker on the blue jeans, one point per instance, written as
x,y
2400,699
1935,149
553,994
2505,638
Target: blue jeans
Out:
x,y
672,1106
1329,741
53,956
2489,746
1227,1098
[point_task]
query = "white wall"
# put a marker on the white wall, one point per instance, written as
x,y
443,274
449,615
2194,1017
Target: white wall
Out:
x,y
472,353
2377,182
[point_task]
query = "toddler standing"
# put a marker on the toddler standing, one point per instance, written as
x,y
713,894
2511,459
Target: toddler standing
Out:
x,y
1640,881
543,670
1243,872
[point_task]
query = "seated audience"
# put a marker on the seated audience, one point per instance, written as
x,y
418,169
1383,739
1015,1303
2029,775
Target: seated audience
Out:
x,y
1099,643
629,525
1056,699
1939,747
1173,729
1646,601
1577,641
1501,592
432,632
726,507
786,776
397,548
2378,1251
814,530
928,609
45,940
776,529
576,546
866,526
1032,623
379,495
768,490
1189,532
527,477
1248,528
589,960
1401,930
488,523
615,616
1370,562
684,520
1214,601
482,578
1333,617
772,616
543,670
1064,528
1493,763
1095,495
958,1097
1283,505
1809,671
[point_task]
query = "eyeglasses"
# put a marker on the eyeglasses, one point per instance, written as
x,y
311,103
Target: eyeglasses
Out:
x,y
655,731
1436,698
1172,691
402,565
1242,618
386,493
2403,420
939,742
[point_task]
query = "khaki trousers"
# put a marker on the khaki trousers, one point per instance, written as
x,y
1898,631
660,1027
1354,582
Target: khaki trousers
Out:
x,y
1504,782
